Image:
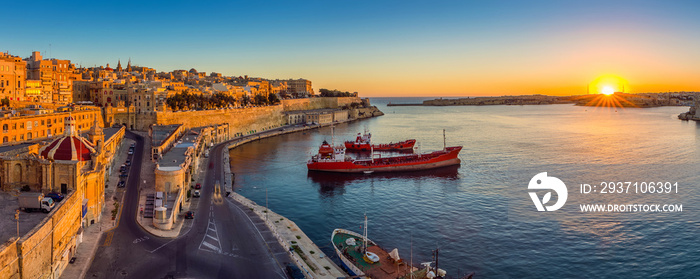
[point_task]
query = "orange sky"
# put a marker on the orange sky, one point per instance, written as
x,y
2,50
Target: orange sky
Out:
x,y
415,48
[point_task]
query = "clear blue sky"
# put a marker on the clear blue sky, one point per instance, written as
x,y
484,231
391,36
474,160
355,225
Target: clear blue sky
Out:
x,y
379,48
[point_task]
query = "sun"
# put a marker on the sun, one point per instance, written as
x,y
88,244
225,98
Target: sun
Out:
x,y
605,83
607,90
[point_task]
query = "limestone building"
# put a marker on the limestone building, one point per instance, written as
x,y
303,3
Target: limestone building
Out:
x,y
56,76
13,73
71,164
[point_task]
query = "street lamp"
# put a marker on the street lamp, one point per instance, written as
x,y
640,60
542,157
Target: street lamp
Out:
x,y
17,218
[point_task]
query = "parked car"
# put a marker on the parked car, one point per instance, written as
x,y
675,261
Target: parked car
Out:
x,y
121,184
198,186
196,194
128,162
189,215
294,272
57,197
131,151
124,175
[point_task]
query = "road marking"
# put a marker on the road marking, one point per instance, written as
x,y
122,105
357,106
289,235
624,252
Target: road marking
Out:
x,y
140,239
269,249
211,246
212,227
108,239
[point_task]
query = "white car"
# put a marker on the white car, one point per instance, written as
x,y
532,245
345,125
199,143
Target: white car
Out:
x,y
196,194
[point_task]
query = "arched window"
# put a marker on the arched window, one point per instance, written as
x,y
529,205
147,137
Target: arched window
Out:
x,y
5,139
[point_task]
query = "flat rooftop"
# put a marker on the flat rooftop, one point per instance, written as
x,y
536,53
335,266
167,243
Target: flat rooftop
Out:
x,y
110,132
161,133
8,225
4,149
176,155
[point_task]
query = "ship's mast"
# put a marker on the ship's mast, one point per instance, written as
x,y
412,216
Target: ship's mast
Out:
x,y
364,237
444,140
411,268
371,152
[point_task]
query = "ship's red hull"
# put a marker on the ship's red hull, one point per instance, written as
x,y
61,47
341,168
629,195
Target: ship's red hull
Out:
x,y
414,162
404,145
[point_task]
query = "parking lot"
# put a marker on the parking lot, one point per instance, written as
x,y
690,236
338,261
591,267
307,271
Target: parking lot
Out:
x,y
8,224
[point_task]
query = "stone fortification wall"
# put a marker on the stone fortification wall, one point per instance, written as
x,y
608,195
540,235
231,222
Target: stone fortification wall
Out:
x,y
240,120
318,103
9,260
44,251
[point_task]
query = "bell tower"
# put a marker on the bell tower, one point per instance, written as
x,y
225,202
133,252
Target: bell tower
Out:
x,y
96,134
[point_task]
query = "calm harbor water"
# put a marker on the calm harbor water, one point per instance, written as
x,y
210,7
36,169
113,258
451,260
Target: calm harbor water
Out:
x,y
480,215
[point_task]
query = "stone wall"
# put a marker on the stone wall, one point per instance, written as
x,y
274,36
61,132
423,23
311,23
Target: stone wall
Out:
x,y
318,103
170,179
45,251
240,120
9,262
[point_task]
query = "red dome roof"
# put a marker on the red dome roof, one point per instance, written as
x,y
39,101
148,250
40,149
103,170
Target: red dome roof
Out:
x,y
69,148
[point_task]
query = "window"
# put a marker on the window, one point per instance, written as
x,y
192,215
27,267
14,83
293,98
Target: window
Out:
x,y
5,139
29,125
36,123
21,137
4,128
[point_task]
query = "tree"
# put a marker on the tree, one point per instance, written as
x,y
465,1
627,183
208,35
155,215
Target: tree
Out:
x,y
272,99
260,100
186,100
5,102
334,93
245,100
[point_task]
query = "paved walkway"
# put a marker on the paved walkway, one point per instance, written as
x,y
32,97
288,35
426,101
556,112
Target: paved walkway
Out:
x,y
92,234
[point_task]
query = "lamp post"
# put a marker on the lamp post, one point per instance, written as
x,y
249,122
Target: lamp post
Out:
x,y
17,218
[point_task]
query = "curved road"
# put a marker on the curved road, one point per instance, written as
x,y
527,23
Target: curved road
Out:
x,y
224,240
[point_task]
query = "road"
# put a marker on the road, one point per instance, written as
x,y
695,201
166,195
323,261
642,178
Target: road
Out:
x,y
224,240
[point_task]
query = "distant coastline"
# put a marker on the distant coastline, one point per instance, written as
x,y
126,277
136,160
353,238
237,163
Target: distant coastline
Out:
x,y
642,100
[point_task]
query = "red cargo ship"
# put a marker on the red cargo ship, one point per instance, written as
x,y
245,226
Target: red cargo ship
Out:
x,y
363,143
333,159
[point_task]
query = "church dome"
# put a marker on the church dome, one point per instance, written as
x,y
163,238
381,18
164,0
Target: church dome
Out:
x,y
68,147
